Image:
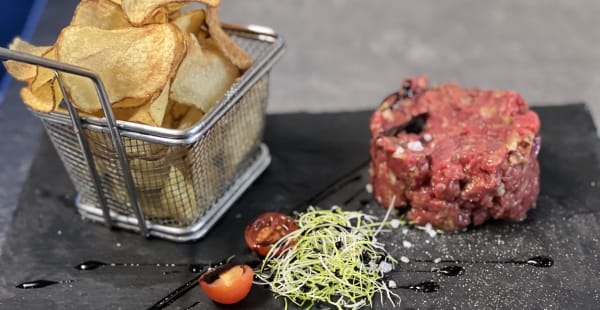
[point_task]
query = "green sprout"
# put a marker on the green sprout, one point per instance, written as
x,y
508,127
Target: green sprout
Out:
x,y
333,257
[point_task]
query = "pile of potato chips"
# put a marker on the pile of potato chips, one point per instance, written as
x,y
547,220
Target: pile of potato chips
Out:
x,y
162,63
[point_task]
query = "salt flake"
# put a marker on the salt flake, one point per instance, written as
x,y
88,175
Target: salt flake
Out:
x,y
385,267
399,150
415,146
392,284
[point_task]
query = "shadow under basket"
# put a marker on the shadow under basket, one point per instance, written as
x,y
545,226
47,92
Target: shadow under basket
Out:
x,y
183,180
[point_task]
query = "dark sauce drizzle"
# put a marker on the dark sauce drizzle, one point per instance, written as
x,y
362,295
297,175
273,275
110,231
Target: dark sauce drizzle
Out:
x,y
535,261
449,271
176,294
93,265
253,260
192,306
40,283
423,287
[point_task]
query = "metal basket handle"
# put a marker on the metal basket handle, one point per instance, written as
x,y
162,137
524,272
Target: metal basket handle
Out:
x,y
76,121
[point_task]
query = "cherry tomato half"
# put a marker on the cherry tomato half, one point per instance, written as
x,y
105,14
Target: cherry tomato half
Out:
x,y
267,229
231,286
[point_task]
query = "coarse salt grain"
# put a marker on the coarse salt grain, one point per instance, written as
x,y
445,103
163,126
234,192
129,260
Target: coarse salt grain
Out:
x,y
437,260
392,284
427,137
395,223
385,267
407,244
369,188
415,146
404,259
430,231
399,150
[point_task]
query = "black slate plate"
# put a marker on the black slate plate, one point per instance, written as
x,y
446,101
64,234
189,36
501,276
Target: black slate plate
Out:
x,y
320,158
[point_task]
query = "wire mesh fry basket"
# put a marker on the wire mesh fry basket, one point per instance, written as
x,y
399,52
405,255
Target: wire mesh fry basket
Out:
x,y
172,184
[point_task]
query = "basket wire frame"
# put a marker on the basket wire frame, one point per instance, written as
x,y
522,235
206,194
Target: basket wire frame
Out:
x,y
176,184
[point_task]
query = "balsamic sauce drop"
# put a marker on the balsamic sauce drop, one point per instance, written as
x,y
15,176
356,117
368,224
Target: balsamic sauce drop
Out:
x,y
423,287
540,261
450,271
90,265
40,283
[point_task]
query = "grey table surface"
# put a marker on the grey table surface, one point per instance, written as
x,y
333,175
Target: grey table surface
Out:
x,y
346,55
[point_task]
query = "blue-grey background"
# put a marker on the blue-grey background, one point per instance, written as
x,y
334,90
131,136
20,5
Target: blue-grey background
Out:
x,y
347,54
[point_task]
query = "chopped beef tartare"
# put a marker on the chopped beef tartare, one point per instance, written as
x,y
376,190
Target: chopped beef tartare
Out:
x,y
455,157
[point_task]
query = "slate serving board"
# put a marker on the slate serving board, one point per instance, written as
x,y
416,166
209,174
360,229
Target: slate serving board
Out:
x,y
321,159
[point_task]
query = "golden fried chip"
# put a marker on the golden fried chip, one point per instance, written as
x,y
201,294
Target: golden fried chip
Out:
x,y
190,21
177,198
132,62
168,122
203,76
178,110
149,174
45,98
192,116
19,70
153,113
44,75
101,146
103,14
233,51
140,12
131,102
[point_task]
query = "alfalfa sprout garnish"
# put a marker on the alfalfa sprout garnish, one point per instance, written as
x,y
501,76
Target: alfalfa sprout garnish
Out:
x,y
333,257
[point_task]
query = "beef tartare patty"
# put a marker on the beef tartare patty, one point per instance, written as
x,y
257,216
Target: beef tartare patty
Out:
x,y
455,157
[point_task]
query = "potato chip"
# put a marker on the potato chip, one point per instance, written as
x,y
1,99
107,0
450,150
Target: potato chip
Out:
x,y
149,174
153,113
233,51
169,121
44,75
140,12
190,21
132,62
19,70
178,110
102,14
190,118
177,198
203,76
132,102
101,145
45,98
